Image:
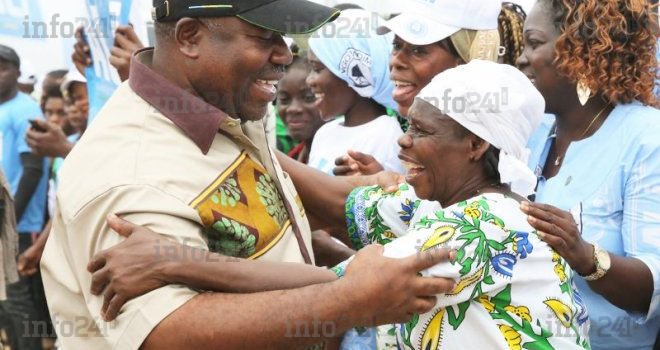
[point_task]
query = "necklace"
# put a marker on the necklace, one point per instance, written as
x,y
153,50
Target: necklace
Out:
x,y
560,157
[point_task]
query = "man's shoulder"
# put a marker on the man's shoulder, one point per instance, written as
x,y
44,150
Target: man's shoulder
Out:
x,y
21,106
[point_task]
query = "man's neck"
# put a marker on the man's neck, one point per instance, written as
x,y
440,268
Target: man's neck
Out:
x,y
9,95
166,68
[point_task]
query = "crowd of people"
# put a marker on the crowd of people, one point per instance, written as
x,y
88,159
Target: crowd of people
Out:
x,y
459,175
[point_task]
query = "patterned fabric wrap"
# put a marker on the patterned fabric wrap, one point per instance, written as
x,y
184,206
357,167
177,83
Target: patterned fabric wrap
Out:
x,y
513,291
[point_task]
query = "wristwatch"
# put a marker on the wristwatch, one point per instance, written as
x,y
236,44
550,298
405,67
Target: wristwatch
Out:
x,y
602,261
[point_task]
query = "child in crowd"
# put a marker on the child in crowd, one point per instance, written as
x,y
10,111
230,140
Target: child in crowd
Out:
x,y
350,78
54,108
297,108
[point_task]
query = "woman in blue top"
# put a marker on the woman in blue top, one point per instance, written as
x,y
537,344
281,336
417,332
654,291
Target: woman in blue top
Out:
x,y
598,158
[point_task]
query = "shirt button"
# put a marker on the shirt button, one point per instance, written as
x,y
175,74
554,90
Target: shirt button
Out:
x,y
568,180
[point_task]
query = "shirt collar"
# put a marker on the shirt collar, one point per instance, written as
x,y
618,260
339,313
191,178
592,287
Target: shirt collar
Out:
x,y
199,120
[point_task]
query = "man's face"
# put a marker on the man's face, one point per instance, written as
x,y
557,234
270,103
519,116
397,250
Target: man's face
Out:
x,y
26,88
239,66
9,74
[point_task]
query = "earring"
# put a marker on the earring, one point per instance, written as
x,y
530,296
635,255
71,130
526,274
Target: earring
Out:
x,y
583,91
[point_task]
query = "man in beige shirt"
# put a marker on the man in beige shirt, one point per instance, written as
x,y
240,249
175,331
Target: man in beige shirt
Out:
x,y
181,150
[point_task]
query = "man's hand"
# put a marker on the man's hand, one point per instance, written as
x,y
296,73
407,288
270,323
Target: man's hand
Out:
x,y
51,143
392,287
131,268
28,262
126,43
356,163
81,56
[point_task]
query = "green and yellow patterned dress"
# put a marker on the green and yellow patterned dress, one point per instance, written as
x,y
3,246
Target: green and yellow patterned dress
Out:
x,y
513,291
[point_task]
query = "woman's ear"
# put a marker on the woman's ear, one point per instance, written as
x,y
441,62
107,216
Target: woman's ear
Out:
x,y
478,147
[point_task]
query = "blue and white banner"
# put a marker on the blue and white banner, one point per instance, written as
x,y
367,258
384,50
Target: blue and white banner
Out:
x,y
102,79
20,18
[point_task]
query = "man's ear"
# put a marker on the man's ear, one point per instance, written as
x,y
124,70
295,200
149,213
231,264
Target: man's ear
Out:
x,y
478,147
188,34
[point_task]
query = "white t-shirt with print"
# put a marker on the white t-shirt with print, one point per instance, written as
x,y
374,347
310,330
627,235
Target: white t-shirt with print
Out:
x,y
377,138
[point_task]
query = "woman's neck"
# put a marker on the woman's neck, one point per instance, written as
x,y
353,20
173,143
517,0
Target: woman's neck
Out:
x,y
580,122
472,187
363,111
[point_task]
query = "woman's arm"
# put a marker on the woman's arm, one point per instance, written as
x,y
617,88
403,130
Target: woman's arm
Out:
x,y
324,196
560,231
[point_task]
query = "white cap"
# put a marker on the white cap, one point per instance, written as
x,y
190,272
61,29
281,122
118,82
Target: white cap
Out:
x,y
28,76
429,21
499,104
72,76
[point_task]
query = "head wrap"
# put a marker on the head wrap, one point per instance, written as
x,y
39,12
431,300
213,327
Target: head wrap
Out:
x,y
476,44
499,104
356,54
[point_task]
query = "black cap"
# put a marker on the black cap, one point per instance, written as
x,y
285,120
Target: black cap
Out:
x,y
8,54
283,16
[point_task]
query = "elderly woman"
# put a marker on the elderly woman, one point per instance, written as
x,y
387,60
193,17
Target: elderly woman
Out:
x,y
599,158
511,288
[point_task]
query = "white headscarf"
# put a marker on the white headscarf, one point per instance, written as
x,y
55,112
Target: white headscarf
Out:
x,y
497,103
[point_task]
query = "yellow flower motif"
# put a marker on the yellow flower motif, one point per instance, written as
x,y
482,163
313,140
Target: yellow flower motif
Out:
x,y
389,234
487,304
512,337
497,223
559,270
440,235
562,311
521,311
555,256
467,281
433,332
472,211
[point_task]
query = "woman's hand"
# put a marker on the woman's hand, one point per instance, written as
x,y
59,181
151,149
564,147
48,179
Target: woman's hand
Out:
x,y
557,228
132,268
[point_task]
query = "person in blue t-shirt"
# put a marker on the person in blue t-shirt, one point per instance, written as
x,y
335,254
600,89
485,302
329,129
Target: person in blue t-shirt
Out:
x,y
27,176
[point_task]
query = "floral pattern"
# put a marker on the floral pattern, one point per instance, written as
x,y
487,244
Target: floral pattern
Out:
x,y
502,270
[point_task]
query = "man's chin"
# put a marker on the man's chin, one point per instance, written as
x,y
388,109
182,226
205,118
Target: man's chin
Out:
x,y
253,114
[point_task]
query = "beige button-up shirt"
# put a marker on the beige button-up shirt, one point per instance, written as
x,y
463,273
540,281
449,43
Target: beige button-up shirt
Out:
x,y
160,157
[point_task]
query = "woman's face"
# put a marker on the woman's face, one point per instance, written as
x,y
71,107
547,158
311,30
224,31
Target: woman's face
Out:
x,y
413,66
536,61
333,96
435,150
296,105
